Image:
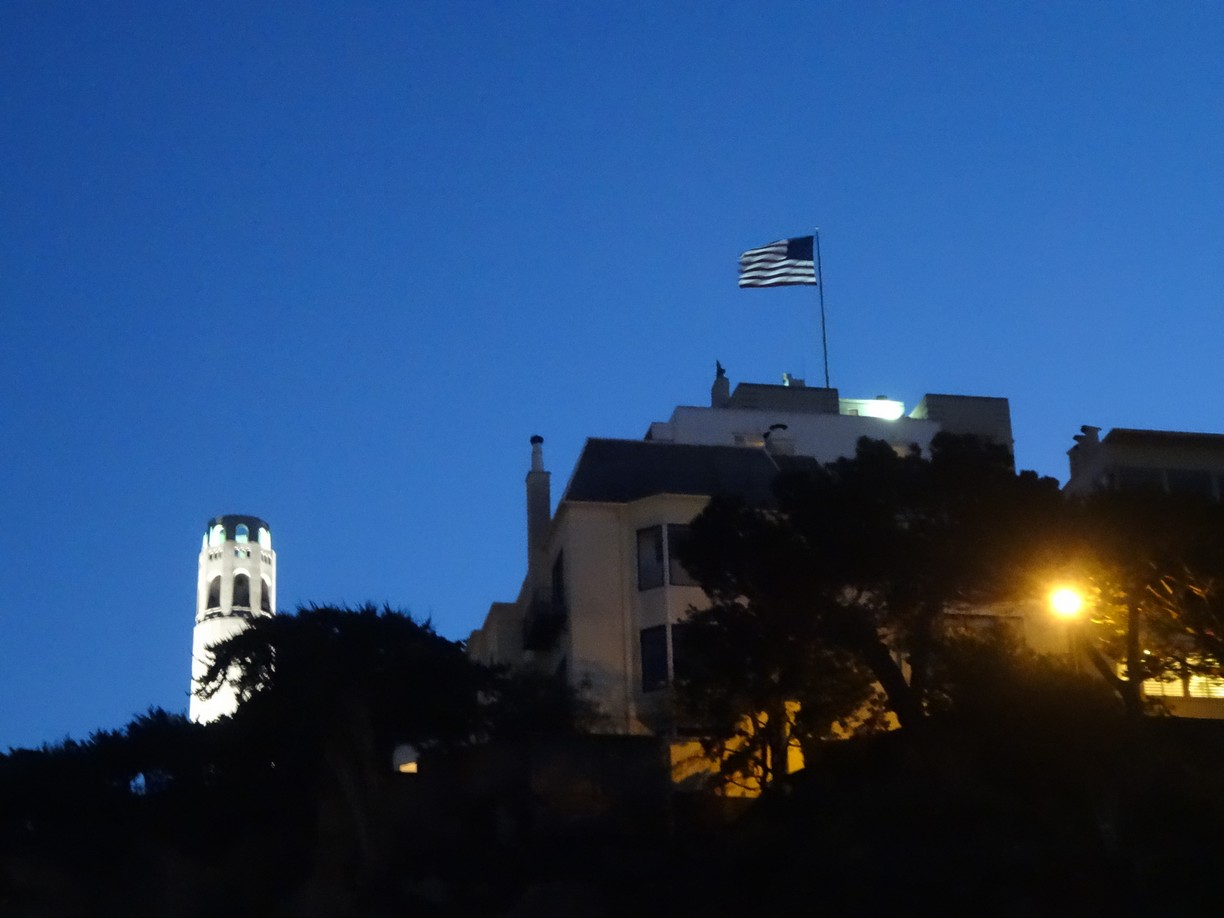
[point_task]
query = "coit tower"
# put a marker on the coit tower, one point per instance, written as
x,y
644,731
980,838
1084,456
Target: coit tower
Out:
x,y
237,583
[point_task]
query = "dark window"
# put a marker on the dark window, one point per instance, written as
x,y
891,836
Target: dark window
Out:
x,y
654,658
242,591
242,533
214,594
650,557
1191,483
659,563
265,596
677,574
682,651
1140,479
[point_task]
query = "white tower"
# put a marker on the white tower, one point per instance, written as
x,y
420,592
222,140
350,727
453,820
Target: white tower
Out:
x,y
237,583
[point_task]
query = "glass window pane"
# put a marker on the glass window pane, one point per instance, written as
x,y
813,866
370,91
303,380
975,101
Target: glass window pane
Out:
x,y
682,651
654,658
650,557
678,575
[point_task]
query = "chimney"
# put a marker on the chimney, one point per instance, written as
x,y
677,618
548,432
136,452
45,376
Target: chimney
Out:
x,y
539,513
1087,442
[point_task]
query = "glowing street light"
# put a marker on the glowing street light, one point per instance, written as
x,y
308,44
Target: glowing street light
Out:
x,y
1066,602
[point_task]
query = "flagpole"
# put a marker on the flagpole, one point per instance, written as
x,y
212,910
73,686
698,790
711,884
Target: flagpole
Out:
x,y
824,340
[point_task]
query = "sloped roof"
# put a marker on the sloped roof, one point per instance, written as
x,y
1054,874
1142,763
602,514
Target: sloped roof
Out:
x,y
619,471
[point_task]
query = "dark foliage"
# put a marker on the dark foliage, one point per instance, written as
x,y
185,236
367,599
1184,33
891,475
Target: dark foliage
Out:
x,y
852,570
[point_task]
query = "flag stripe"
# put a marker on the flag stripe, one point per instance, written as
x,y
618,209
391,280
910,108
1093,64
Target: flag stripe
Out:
x,y
778,264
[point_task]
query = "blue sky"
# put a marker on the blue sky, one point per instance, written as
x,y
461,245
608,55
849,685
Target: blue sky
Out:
x,y
334,264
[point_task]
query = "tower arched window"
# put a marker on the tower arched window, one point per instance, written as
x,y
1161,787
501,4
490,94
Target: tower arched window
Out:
x,y
265,597
242,591
242,533
214,594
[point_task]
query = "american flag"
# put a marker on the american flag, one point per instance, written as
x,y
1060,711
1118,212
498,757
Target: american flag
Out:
x,y
779,264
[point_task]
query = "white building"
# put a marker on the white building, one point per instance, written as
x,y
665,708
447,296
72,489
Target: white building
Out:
x,y
236,583
603,594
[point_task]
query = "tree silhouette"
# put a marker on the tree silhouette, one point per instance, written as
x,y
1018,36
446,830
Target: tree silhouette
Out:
x,y
326,694
854,570
1154,566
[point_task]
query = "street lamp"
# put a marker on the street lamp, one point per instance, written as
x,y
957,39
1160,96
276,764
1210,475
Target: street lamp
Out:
x,y
1066,602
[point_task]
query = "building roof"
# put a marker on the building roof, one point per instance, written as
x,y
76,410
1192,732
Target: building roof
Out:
x,y
1134,435
766,397
619,471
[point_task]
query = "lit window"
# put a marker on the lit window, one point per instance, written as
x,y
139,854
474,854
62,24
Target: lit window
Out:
x,y
216,535
265,538
1192,687
405,759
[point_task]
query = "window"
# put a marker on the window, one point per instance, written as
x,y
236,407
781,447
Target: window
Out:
x,y
1191,483
242,533
242,591
214,594
1139,479
650,557
654,545
677,573
682,654
265,597
265,538
660,663
654,658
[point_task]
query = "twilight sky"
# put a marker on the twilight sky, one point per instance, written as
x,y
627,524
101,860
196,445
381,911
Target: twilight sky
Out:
x,y
333,265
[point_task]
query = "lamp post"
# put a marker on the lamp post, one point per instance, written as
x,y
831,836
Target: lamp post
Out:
x,y
1067,603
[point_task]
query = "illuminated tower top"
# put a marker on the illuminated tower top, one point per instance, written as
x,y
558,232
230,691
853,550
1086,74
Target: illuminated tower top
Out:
x,y
236,583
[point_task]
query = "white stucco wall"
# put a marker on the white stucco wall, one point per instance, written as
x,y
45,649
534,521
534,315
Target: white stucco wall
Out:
x,y
824,436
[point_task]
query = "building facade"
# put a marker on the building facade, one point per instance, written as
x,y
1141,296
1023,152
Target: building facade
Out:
x,y
236,583
1174,462
604,599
